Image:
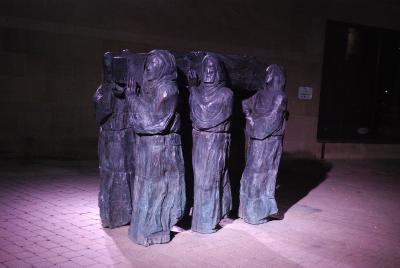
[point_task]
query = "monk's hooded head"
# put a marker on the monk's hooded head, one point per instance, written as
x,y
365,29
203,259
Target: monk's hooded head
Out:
x,y
159,65
212,73
107,67
275,77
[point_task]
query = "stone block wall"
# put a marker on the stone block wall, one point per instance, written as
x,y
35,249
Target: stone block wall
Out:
x,y
51,54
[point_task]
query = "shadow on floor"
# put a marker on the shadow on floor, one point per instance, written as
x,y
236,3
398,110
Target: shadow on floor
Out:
x,y
298,174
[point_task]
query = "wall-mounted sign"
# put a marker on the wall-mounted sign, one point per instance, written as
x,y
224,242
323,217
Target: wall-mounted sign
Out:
x,y
305,93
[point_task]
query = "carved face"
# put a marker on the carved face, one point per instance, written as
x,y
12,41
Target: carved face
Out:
x,y
152,67
209,71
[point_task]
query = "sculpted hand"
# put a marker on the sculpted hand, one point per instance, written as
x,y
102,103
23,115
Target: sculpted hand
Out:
x,y
247,112
131,88
192,78
246,108
251,122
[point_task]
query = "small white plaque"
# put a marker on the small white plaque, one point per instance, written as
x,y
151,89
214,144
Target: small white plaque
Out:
x,y
305,93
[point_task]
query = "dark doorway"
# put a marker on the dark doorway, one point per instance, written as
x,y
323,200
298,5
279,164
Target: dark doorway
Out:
x,y
360,92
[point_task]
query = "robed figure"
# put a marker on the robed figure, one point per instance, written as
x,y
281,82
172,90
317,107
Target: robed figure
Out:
x,y
265,126
210,112
158,196
114,148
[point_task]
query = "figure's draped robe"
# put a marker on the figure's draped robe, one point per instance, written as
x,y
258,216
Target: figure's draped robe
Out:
x,y
115,157
158,197
257,191
210,112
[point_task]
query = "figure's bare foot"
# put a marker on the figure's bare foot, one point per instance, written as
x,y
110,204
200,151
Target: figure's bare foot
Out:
x,y
276,216
225,221
177,229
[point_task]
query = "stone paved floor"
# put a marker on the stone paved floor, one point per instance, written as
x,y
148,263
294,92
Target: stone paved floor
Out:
x,y
49,217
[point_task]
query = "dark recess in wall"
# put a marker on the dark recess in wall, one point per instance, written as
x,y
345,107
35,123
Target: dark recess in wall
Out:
x,y
360,93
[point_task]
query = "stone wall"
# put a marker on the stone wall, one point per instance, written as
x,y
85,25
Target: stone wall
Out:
x,y
51,54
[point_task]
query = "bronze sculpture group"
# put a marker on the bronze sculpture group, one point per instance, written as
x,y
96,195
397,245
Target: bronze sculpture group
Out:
x,y
140,149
